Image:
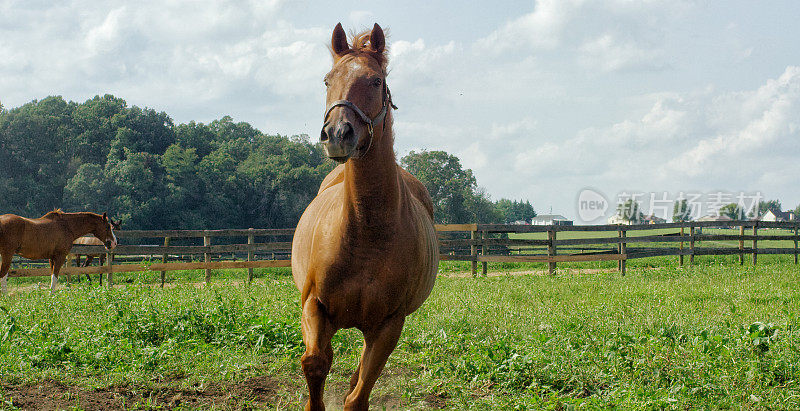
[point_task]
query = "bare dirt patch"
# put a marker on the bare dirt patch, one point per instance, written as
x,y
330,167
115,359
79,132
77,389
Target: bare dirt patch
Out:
x,y
252,393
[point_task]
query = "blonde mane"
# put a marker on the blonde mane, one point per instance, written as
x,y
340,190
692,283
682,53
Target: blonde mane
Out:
x,y
53,214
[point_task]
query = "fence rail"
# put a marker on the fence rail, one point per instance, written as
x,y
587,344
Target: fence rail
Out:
x,y
484,243
477,243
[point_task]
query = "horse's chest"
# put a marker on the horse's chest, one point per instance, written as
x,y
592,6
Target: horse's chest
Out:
x,y
360,293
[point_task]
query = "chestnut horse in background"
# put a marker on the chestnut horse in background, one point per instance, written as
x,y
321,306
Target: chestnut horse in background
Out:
x,y
91,240
365,252
49,237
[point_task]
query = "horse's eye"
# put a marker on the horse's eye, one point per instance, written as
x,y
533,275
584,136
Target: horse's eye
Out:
x,y
326,83
376,82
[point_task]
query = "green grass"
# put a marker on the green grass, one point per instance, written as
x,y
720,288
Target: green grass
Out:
x,y
712,335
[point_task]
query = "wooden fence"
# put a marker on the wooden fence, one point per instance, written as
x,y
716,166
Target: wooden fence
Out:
x,y
485,243
477,243
247,253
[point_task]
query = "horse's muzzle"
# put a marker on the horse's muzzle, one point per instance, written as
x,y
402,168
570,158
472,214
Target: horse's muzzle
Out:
x,y
339,140
110,245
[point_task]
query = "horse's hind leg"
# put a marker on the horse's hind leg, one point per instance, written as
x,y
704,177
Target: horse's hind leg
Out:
x,y
88,263
6,264
378,344
316,361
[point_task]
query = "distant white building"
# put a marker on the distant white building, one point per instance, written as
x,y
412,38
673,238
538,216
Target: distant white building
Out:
x,y
778,216
618,219
550,219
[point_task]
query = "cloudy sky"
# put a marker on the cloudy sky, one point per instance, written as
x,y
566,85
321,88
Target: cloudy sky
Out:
x,y
541,99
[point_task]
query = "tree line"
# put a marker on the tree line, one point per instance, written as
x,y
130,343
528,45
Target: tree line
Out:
x,y
150,173
682,210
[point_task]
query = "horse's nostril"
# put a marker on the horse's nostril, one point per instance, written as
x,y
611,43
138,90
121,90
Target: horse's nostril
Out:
x,y
323,136
346,132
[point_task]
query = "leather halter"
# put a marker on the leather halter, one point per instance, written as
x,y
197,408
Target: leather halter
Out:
x,y
370,122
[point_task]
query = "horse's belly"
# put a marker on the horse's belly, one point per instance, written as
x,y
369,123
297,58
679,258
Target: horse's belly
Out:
x,y
34,253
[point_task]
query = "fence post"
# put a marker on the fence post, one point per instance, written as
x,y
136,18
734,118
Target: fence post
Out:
x,y
551,250
755,242
484,264
207,243
250,241
691,243
164,258
622,248
795,244
110,275
741,244
473,251
680,255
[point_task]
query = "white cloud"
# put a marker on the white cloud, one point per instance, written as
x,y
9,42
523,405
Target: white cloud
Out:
x,y
611,34
750,127
565,95
542,28
611,54
174,56
361,18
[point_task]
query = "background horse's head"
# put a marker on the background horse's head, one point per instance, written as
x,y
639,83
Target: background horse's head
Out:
x,y
104,231
358,99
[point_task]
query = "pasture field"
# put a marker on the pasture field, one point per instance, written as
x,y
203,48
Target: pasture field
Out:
x,y
709,335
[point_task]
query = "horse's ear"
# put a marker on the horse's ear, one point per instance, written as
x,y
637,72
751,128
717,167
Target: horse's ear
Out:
x,y
105,216
377,40
339,41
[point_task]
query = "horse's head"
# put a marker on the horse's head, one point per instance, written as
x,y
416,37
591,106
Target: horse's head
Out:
x,y
104,231
358,99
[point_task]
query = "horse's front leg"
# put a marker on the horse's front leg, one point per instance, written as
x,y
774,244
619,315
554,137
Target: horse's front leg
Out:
x,y
378,344
6,264
55,267
317,360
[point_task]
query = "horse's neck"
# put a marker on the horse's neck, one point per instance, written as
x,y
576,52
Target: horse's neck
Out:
x,y
372,186
79,224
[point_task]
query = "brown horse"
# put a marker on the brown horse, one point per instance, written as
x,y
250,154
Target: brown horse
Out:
x,y
365,252
91,240
49,237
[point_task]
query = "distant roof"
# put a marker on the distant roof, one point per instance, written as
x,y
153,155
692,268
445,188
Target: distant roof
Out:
x,y
785,215
715,218
543,217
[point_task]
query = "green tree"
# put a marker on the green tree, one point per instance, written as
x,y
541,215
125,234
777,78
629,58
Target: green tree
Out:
x,y
481,208
88,189
135,186
93,119
511,211
451,187
195,135
183,190
35,141
734,211
681,211
773,205
630,211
